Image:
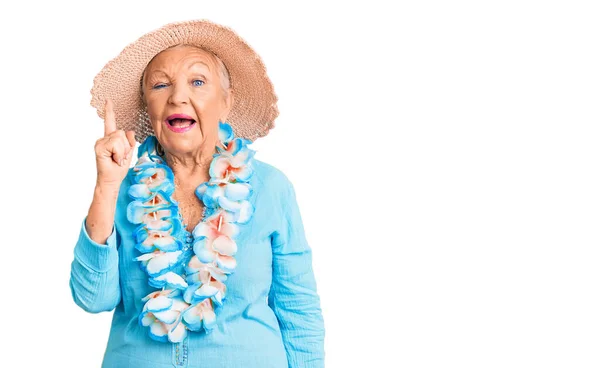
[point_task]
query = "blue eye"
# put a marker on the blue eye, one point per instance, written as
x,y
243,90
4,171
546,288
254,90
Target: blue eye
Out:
x,y
198,82
158,86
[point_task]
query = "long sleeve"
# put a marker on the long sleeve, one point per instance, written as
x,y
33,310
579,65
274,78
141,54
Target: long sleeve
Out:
x,y
94,278
293,295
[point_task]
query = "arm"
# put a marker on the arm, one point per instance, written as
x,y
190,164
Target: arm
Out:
x,y
293,296
94,278
95,269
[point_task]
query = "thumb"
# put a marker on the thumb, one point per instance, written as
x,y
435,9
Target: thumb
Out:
x,y
128,158
131,146
130,134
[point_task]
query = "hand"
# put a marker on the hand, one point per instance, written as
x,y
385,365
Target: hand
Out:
x,y
113,152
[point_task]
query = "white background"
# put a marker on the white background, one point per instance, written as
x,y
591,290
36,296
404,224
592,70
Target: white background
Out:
x,y
445,157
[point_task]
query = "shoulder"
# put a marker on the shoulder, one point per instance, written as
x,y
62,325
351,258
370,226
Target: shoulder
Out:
x,y
272,182
271,177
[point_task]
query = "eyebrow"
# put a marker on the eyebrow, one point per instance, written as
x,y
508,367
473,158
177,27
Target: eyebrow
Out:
x,y
200,62
146,76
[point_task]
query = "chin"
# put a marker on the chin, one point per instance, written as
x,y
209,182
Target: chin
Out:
x,y
183,144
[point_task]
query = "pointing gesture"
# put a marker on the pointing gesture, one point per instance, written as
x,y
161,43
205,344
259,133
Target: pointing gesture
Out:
x,y
110,124
113,151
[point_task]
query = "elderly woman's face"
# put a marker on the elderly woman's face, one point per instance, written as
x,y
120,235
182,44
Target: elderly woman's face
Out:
x,y
185,99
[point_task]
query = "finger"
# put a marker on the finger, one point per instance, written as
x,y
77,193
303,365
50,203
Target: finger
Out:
x,y
118,151
110,123
130,135
129,147
128,158
115,146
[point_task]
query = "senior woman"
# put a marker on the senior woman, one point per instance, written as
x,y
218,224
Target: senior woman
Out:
x,y
199,247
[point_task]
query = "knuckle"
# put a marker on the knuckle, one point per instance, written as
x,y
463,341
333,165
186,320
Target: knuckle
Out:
x,y
99,143
119,149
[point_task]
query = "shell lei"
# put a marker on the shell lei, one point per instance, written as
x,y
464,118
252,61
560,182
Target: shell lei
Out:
x,y
189,269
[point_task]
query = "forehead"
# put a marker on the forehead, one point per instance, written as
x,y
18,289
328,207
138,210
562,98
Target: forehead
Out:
x,y
182,57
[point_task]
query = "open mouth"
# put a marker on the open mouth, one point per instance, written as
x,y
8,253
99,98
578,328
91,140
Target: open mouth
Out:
x,y
180,123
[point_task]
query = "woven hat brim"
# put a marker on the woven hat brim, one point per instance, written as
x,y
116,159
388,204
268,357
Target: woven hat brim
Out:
x,y
254,109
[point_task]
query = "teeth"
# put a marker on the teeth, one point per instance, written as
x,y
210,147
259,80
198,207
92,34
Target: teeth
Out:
x,y
180,123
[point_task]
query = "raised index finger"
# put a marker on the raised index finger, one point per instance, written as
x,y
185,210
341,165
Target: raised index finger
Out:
x,y
110,124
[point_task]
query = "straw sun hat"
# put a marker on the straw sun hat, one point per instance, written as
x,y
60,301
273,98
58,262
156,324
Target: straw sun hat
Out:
x,y
255,102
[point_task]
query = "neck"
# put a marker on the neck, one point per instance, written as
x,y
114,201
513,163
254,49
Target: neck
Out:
x,y
193,169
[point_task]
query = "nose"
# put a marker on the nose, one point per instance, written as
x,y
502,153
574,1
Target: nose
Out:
x,y
179,94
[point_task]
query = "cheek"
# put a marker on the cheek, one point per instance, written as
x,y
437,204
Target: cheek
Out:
x,y
155,120
207,105
154,108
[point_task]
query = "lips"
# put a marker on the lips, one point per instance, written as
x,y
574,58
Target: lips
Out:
x,y
179,123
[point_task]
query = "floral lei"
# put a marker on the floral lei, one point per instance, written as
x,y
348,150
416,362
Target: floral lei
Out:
x,y
190,269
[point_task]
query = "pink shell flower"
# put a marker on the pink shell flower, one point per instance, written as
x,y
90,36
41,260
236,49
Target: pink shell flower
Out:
x,y
214,241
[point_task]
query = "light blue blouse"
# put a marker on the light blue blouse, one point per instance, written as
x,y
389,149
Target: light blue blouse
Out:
x,y
271,316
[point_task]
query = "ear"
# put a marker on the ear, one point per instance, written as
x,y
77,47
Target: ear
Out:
x,y
229,100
